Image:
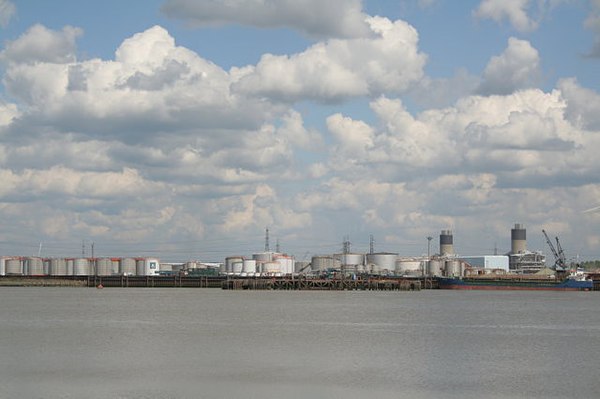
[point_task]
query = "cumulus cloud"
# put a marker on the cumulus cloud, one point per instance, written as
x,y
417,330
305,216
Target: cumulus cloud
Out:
x,y
337,69
519,13
582,104
592,23
334,18
518,67
7,11
40,44
151,85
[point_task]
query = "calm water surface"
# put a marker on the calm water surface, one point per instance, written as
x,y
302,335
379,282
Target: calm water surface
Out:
x,y
209,343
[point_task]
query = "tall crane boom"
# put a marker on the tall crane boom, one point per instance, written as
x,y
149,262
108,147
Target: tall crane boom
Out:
x,y
558,259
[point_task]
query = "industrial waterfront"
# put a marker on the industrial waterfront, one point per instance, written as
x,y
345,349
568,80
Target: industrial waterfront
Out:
x,y
180,344
341,271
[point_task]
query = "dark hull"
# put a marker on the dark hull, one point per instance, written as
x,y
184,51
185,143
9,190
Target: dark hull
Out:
x,y
514,285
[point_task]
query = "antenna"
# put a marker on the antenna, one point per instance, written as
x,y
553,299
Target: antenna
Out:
x,y
267,249
371,244
40,250
346,245
92,250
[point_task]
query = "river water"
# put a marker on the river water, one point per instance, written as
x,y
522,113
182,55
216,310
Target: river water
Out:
x,y
208,343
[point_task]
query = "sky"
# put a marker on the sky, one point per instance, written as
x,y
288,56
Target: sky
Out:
x,y
183,129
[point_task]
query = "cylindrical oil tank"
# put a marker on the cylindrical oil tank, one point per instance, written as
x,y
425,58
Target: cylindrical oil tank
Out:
x,y
435,267
286,263
373,268
230,260
58,267
14,266
70,266
271,267
191,265
34,266
46,266
2,266
103,267
140,267
127,267
116,265
263,256
453,268
320,263
409,267
385,260
249,266
236,267
350,259
177,268
81,267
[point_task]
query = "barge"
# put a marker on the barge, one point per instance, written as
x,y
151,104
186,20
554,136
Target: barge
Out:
x,y
515,283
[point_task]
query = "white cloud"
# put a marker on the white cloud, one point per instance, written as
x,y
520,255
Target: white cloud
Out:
x,y
333,18
513,10
7,11
390,62
518,67
582,104
40,44
592,23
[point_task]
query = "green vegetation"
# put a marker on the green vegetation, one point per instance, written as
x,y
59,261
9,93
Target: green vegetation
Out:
x,y
591,265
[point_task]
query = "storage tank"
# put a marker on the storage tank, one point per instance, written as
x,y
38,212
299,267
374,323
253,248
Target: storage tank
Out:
x,y
453,268
230,260
147,266
271,268
249,266
263,256
446,243
70,262
2,266
409,267
191,265
286,263
33,266
127,267
320,263
116,265
383,260
58,267
351,259
46,266
103,267
435,267
518,239
81,267
236,267
166,267
14,266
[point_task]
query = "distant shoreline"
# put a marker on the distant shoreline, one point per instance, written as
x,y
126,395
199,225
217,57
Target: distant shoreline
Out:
x,y
40,282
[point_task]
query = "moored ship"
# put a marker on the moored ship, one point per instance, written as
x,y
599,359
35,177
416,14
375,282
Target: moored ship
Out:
x,y
515,283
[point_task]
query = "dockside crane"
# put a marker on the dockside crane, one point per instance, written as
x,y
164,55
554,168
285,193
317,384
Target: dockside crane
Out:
x,y
560,262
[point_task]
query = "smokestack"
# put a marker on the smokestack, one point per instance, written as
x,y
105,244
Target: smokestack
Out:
x,y
518,239
446,244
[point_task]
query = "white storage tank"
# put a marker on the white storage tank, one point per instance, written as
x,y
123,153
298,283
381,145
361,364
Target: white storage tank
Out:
x,y
191,265
70,262
147,266
320,263
103,267
127,267
271,268
435,267
81,267
3,266
350,259
263,257
13,266
58,267
384,260
33,266
237,267
249,266
116,265
230,260
453,268
286,263
409,267
166,267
